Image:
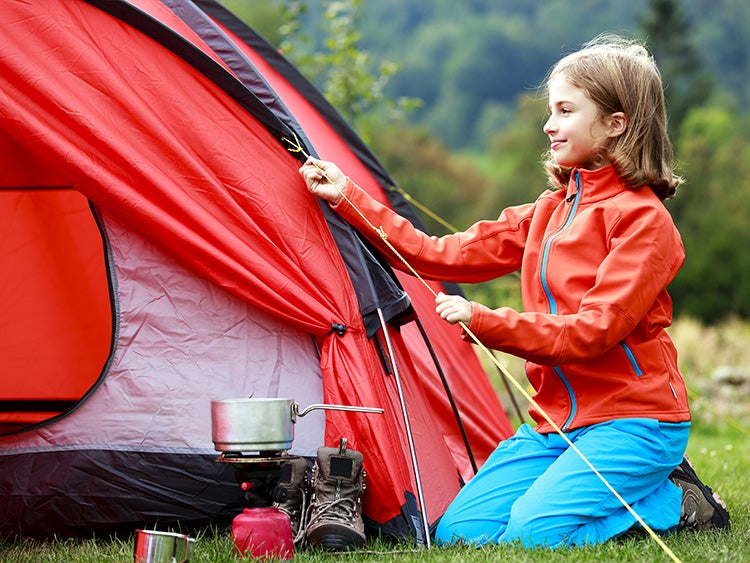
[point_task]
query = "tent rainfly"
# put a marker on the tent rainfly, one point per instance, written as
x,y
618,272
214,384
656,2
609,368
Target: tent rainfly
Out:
x,y
159,252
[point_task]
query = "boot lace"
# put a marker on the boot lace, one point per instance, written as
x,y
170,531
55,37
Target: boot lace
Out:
x,y
342,510
301,512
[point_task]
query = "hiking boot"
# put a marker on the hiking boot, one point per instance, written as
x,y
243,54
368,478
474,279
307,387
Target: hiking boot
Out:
x,y
702,509
291,493
338,483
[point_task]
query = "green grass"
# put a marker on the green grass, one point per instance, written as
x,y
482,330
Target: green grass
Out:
x,y
719,452
719,448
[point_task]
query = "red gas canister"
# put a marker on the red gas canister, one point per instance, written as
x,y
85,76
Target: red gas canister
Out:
x,y
264,533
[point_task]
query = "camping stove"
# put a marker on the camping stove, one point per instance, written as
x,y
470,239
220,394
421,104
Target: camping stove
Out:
x,y
265,427
258,475
261,530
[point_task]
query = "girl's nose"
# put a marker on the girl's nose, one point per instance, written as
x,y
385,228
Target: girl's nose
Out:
x,y
548,126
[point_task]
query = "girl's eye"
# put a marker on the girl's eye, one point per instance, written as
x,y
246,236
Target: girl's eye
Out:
x,y
564,111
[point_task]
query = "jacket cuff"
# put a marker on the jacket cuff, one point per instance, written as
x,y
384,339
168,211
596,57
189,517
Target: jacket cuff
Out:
x,y
343,203
472,324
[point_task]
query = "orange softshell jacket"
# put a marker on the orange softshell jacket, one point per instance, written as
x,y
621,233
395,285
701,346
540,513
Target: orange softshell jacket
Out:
x,y
595,262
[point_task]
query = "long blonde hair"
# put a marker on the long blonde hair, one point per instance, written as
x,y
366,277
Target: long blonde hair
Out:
x,y
620,75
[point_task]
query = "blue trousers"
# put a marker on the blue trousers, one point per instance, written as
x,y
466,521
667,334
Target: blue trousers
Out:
x,y
537,490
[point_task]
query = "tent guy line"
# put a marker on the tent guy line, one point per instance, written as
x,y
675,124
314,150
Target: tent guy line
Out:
x,y
297,147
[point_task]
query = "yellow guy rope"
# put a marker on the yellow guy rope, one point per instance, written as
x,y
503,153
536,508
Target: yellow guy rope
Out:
x,y
297,147
426,210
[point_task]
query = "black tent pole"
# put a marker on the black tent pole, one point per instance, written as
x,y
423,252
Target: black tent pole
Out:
x,y
448,392
519,413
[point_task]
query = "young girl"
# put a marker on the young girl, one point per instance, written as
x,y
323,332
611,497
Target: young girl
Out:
x,y
596,253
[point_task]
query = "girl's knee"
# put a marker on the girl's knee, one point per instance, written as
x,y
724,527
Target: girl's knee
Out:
x,y
535,530
467,531
446,534
553,532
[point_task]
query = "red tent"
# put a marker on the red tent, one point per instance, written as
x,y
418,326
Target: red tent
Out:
x,y
159,252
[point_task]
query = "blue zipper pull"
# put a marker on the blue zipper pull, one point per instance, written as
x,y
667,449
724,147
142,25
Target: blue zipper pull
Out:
x,y
572,196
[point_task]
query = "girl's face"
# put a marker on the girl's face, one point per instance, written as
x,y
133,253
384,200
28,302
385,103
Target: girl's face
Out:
x,y
575,127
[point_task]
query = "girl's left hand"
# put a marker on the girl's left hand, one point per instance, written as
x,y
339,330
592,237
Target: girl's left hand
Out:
x,y
453,308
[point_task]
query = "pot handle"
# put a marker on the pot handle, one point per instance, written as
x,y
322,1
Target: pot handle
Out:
x,y
335,408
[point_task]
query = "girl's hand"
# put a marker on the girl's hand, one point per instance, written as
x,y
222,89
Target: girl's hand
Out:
x,y
453,308
323,179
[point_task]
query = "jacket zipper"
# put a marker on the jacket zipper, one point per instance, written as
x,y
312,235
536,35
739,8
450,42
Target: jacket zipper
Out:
x,y
631,359
550,297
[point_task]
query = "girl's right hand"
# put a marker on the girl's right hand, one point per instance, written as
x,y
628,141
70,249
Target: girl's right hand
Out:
x,y
323,179
453,308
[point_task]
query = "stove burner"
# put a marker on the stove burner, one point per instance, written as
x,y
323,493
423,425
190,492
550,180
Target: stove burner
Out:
x,y
258,475
246,458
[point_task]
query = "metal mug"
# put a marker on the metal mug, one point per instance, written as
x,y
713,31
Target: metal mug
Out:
x,y
152,546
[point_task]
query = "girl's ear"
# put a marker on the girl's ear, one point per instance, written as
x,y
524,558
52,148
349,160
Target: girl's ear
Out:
x,y
617,123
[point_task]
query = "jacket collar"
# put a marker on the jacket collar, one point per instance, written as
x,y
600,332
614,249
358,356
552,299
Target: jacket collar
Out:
x,y
595,185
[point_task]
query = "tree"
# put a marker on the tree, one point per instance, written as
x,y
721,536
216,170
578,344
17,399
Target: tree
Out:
x,y
342,70
712,212
515,155
668,33
447,185
265,15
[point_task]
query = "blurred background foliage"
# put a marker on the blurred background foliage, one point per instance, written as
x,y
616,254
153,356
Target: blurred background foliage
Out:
x,y
447,95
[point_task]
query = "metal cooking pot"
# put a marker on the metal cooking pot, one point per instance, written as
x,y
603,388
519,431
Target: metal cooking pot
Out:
x,y
261,425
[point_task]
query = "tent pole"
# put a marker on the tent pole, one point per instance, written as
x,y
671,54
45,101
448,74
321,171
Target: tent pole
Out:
x,y
449,393
504,379
410,437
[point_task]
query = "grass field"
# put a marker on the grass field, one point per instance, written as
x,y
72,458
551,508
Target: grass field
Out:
x,y
719,448
719,452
